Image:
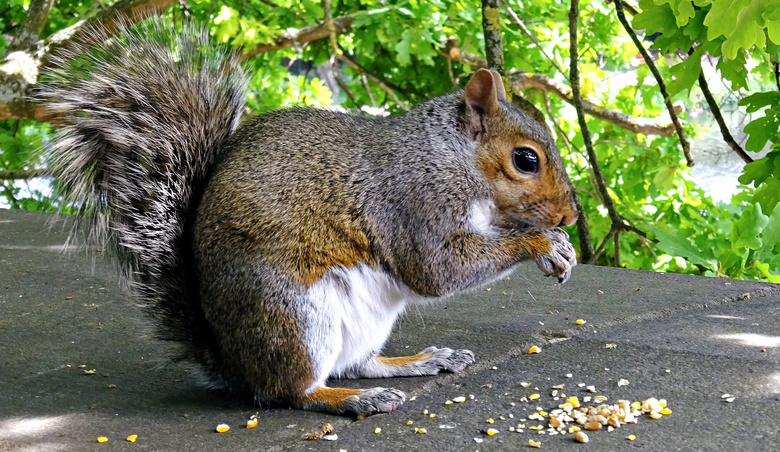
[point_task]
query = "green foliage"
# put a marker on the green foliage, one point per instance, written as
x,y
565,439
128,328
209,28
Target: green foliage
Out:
x,y
402,42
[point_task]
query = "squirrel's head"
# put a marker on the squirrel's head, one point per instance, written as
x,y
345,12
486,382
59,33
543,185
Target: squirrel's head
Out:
x,y
518,158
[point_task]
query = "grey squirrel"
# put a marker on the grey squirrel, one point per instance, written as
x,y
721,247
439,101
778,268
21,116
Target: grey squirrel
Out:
x,y
280,252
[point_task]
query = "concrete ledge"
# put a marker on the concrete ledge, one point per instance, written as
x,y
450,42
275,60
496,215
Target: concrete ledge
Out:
x,y
683,338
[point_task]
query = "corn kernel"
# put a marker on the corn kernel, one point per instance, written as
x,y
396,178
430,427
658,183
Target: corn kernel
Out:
x,y
491,431
378,430
534,349
631,437
581,322
222,428
422,431
490,421
409,422
574,401
132,438
533,443
533,396
666,411
460,399
252,423
102,439
656,415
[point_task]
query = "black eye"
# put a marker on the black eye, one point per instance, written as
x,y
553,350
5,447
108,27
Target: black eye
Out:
x,y
526,160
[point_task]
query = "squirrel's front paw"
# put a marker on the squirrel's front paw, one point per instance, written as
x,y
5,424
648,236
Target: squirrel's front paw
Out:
x,y
561,258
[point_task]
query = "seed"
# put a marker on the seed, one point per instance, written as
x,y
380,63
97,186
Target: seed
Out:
x,y
656,415
222,428
591,388
599,418
378,430
651,404
534,349
581,437
490,421
533,396
567,407
432,415
613,421
581,322
554,392
491,431
574,401
533,443
666,411
600,398
730,399
425,411
332,437
631,437
422,431
409,422
459,399
555,423
449,402
252,423
525,384
593,426
102,439
132,438
560,386
622,382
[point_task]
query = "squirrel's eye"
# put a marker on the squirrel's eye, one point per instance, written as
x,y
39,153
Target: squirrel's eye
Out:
x,y
526,160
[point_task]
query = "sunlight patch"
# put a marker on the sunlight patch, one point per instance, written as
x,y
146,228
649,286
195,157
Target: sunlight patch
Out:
x,y
752,339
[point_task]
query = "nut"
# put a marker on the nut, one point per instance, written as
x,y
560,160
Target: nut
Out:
x,y
593,426
581,437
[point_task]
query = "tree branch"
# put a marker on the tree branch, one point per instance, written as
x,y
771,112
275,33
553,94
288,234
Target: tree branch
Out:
x,y
686,146
20,69
32,25
491,28
519,81
301,36
13,175
724,130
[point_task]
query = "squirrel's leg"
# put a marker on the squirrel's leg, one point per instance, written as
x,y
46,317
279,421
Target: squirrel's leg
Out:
x,y
430,361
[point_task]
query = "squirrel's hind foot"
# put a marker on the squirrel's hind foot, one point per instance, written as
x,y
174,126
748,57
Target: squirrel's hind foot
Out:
x,y
362,402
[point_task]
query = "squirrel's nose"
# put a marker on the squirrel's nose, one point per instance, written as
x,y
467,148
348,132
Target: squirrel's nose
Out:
x,y
568,219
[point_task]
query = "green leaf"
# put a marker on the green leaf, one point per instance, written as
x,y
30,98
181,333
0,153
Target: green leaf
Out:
x,y
683,10
684,75
746,230
675,245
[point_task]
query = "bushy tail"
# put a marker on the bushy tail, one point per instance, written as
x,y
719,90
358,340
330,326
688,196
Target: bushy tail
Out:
x,y
143,117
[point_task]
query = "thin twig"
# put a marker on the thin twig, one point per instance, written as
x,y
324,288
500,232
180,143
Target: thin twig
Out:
x,y
724,130
686,146
530,35
617,248
331,29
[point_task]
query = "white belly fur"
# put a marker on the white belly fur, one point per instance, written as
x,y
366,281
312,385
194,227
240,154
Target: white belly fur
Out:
x,y
359,306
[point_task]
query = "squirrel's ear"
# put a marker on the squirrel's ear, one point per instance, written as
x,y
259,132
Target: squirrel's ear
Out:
x,y
498,82
482,95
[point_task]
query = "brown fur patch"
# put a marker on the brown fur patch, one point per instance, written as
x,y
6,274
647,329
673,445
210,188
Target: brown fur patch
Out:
x,y
403,360
330,396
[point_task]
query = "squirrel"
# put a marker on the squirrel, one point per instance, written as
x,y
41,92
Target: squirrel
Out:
x,y
279,251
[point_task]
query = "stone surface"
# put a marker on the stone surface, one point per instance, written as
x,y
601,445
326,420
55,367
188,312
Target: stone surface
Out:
x,y
683,338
